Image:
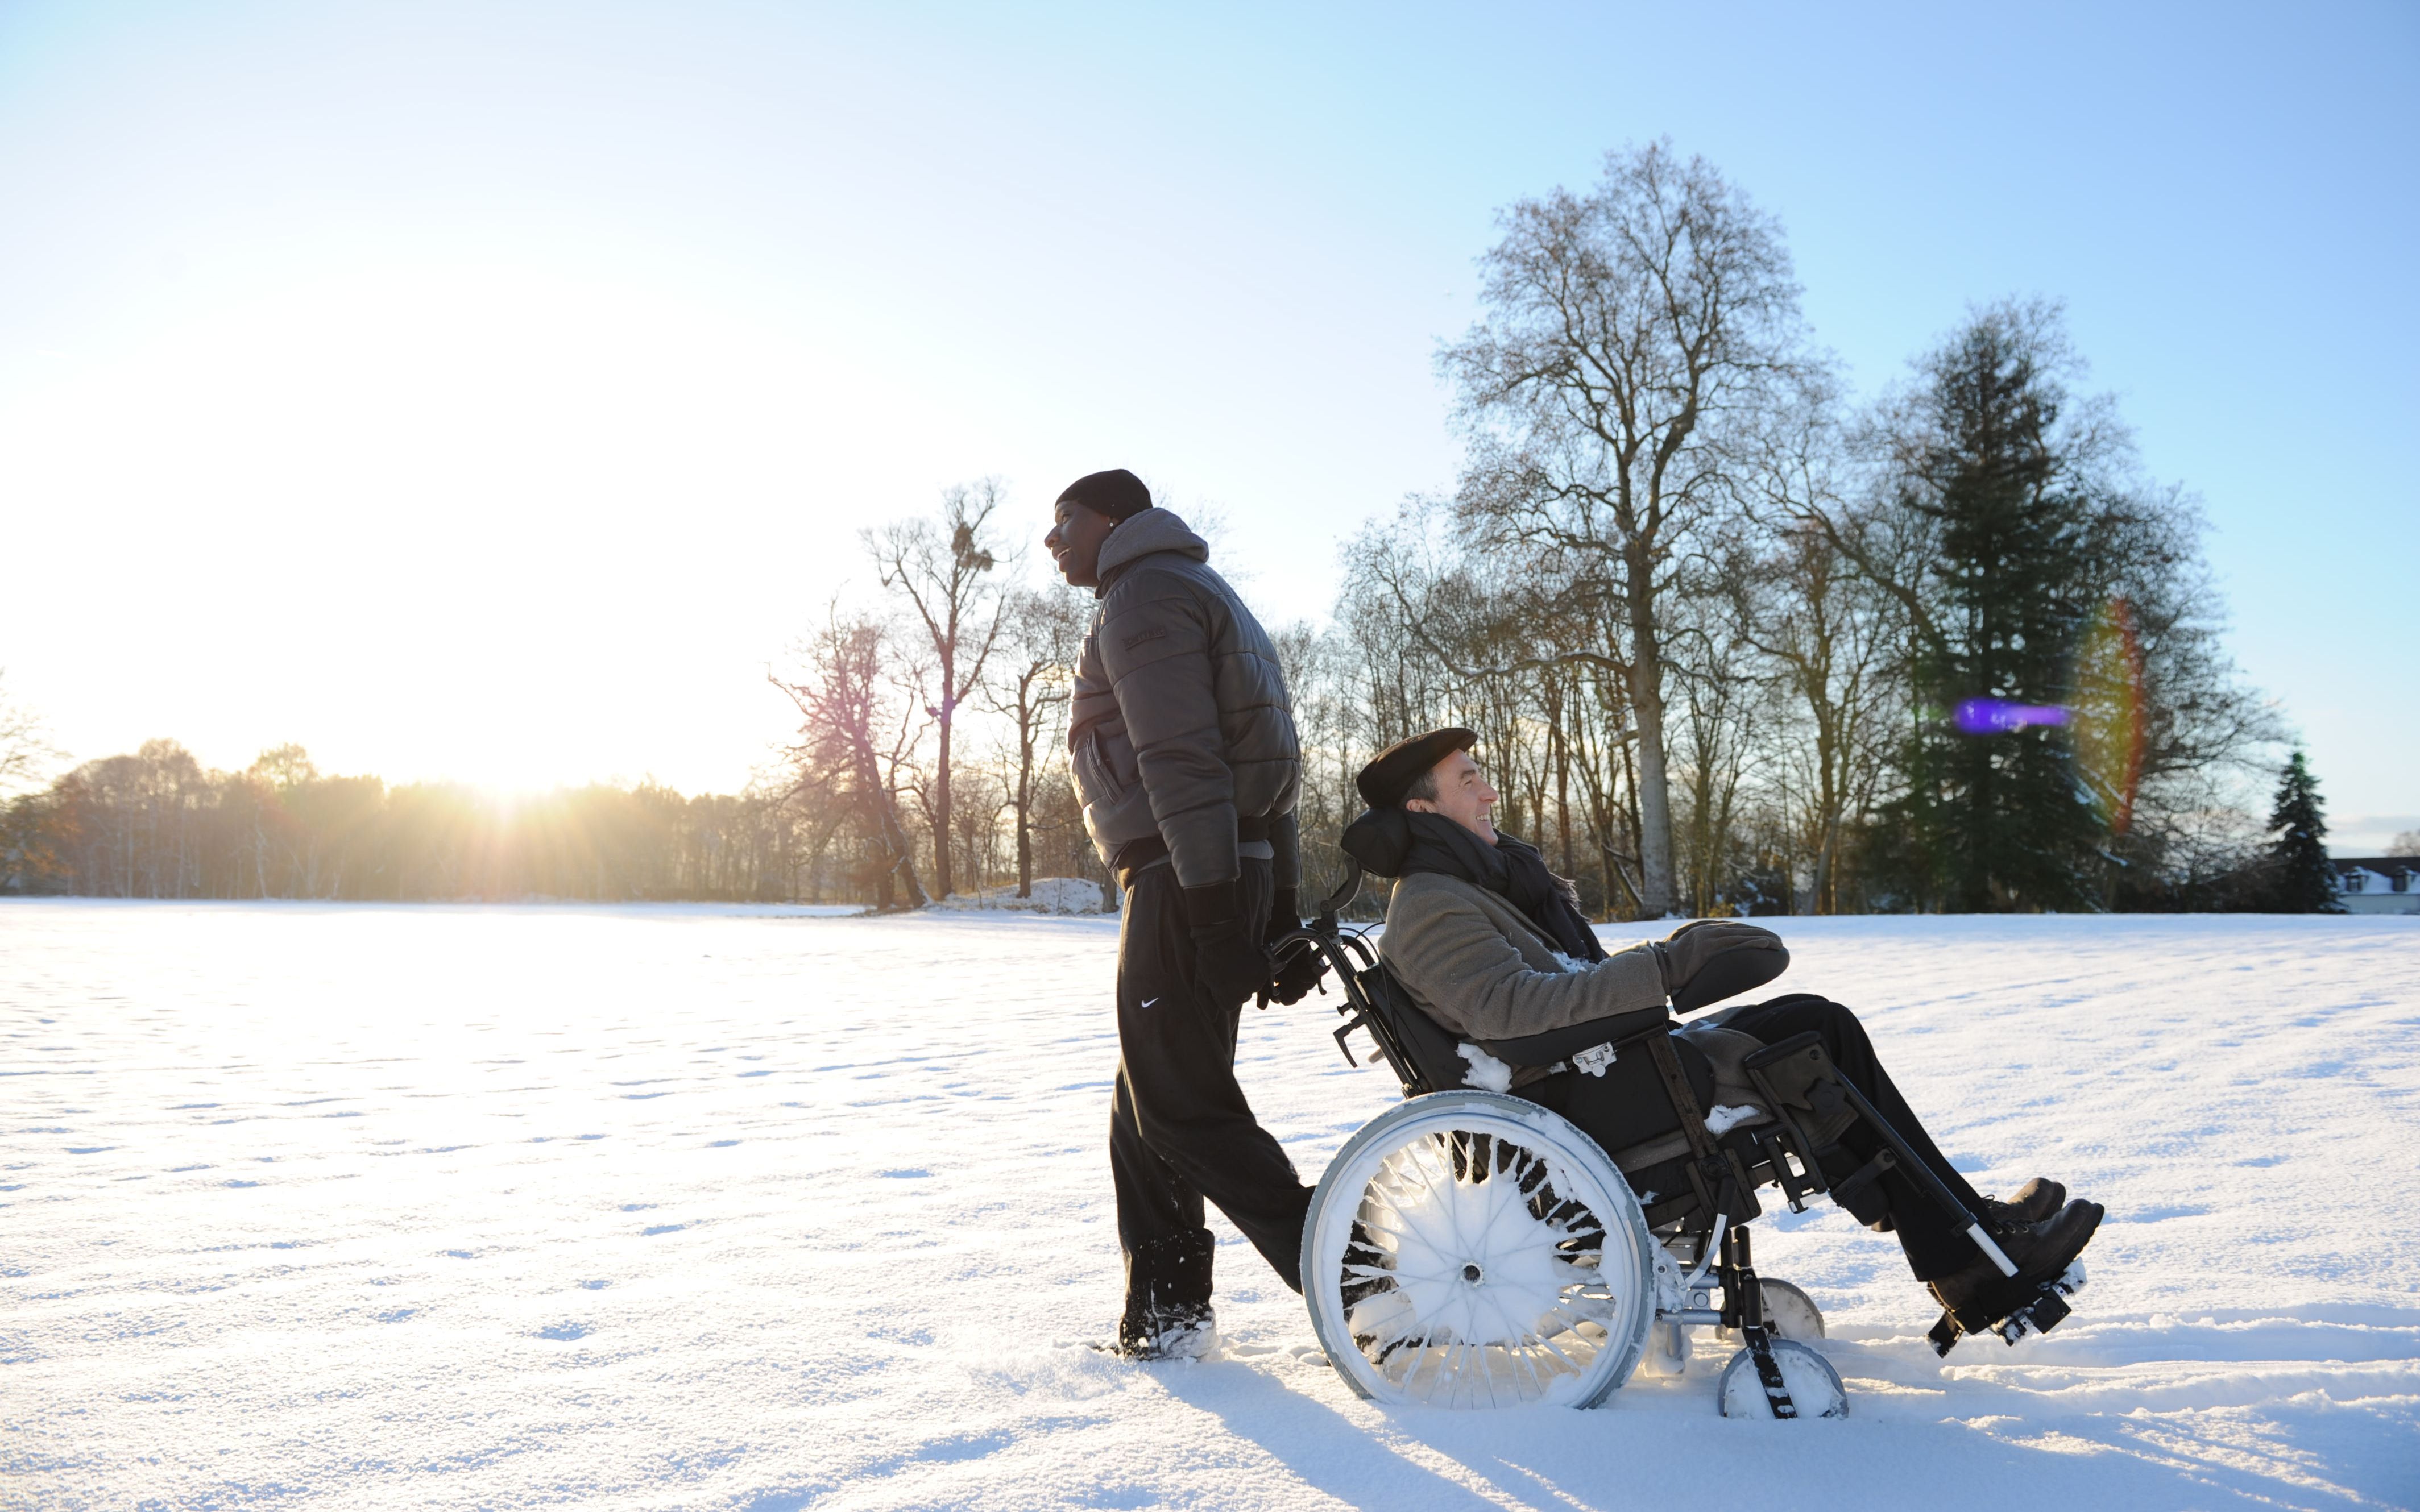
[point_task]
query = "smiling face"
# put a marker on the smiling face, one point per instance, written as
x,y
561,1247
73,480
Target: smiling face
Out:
x,y
1075,543
1463,795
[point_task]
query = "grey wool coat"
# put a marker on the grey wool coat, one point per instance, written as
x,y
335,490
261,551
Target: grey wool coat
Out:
x,y
1477,965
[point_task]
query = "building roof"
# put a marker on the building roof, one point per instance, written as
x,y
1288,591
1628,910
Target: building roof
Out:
x,y
2385,866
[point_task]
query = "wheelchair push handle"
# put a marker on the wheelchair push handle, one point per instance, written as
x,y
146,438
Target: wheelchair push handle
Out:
x,y
1337,902
1323,933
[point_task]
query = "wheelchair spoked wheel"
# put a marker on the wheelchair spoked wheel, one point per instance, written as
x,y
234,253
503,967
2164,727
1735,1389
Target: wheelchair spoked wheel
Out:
x,y
1470,1249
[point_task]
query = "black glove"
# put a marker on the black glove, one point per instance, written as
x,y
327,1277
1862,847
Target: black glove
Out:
x,y
1228,963
1303,967
1708,959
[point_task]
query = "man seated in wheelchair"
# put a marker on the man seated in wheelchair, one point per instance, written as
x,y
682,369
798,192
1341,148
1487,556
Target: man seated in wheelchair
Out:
x,y
1490,946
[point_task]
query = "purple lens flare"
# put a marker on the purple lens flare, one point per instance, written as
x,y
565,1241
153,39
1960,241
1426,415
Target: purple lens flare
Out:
x,y
1998,717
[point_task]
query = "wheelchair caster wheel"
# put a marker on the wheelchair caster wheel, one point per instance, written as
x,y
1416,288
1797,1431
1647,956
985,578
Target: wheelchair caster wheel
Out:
x,y
1814,1387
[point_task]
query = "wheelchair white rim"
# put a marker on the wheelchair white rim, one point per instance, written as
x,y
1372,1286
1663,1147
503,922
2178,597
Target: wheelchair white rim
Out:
x,y
1502,1259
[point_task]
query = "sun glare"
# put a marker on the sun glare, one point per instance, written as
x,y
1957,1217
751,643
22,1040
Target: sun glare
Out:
x,y
463,503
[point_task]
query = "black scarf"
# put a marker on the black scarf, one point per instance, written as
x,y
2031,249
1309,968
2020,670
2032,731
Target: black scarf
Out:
x,y
1397,842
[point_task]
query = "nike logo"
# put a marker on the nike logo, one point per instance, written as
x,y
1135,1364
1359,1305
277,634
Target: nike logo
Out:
x,y
1148,1001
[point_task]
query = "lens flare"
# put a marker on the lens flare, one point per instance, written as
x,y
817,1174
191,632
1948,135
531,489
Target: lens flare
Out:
x,y
2105,718
1998,717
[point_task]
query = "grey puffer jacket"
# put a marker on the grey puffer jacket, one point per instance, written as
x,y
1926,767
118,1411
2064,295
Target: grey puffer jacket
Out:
x,y
1181,727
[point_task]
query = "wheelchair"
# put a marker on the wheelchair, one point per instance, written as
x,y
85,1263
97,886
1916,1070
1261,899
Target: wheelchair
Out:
x,y
1477,1246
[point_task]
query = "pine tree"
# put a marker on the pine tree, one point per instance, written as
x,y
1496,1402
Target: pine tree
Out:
x,y
2300,881
1997,821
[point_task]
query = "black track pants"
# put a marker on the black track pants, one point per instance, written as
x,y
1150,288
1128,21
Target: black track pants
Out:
x,y
1936,1243
1180,1129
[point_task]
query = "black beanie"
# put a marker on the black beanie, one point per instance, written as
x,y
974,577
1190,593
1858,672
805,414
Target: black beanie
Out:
x,y
1117,493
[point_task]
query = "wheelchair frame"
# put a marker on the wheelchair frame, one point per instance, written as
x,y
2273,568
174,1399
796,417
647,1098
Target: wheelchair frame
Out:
x,y
1702,1228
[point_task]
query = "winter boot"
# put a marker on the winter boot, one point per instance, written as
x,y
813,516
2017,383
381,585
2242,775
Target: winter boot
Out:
x,y
2035,1201
1167,1314
1979,1297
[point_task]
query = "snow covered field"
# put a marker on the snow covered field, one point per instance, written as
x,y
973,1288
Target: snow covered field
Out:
x,y
366,1206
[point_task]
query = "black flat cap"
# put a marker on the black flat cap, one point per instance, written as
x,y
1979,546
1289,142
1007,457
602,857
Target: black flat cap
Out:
x,y
1117,493
1383,781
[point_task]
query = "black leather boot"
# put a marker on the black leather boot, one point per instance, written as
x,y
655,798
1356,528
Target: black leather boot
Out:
x,y
1167,1314
2033,1202
1979,1296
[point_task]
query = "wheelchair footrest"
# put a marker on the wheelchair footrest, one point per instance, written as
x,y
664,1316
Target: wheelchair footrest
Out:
x,y
2038,1309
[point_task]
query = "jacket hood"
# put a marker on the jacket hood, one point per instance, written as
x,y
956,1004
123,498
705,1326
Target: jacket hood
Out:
x,y
1141,535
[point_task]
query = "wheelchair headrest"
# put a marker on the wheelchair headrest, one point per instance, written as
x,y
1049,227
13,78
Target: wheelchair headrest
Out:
x,y
1379,839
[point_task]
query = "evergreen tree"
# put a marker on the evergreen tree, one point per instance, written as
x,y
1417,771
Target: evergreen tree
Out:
x,y
1997,821
2300,881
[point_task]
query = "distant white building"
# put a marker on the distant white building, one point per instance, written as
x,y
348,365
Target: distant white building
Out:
x,y
2378,884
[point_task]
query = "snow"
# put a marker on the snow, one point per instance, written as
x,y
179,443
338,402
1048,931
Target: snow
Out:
x,y
1486,1073
1723,1117
318,1206
1050,895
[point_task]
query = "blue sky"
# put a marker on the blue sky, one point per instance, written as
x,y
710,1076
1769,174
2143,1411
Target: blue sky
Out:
x,y
494,390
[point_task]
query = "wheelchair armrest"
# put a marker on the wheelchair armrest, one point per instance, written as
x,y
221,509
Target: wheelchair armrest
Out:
x,y
1731,972
1564,1043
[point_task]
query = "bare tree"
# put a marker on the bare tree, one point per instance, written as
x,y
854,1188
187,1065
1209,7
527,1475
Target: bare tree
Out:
x,y
26,749
1631,333
1043,631
1715,745
1798,597
857,734
946,575
1808,615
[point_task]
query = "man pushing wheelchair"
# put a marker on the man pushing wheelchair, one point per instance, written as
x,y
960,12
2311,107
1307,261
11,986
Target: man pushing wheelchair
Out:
x,y
1489,987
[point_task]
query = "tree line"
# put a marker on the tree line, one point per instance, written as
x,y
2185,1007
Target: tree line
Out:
x,y
1733,641
157,824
